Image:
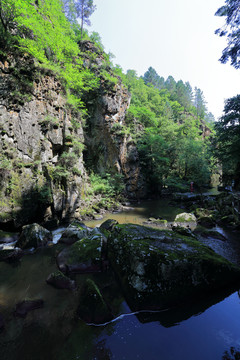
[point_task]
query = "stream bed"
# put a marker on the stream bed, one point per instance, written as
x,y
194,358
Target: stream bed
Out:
x,y
208,329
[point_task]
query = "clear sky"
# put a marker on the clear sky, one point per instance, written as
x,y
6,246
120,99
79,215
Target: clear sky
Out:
x,y
174,37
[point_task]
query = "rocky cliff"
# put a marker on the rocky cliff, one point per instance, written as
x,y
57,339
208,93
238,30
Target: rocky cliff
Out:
x,y
42,164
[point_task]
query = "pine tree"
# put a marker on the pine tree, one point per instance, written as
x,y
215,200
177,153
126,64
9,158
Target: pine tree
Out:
x,y
79,9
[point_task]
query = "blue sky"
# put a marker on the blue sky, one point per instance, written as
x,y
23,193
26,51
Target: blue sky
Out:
x,y
175,37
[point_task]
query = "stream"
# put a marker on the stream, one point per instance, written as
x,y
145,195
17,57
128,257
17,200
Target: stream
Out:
x,y
206,330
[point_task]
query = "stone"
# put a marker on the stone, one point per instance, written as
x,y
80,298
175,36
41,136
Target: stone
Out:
x,y
23,307
158,269
10,254
73,233
33,236
186,220
92,307
84,256
7,237
61,281
108,224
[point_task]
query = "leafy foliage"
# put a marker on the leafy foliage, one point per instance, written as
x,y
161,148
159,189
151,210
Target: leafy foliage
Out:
x,y
231,30
228,141
167,121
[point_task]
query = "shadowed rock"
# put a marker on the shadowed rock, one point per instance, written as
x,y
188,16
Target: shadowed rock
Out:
x,y
159,269
23,308
60,281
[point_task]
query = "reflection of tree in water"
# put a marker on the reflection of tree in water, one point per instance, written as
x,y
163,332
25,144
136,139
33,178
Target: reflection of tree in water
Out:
x,y
232,354
101,352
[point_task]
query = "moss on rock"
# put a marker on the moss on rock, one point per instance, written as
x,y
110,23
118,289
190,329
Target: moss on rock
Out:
x,y
160,268
92,307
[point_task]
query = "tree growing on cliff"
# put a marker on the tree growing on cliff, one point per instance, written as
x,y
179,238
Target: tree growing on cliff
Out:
x,y
79,10
231,29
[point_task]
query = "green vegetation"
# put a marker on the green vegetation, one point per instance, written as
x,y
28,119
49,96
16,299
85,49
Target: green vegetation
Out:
x,y
167,121
227,142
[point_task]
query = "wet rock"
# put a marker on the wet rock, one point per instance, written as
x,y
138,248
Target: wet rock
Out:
x,y
61,281
210,234
160,222
73,233
10,254
84,256
92,307
33,236
159,269
108,224
183,231
23,308
6,237
207,221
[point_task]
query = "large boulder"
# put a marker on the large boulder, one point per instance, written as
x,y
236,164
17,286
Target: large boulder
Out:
x,y
84,256
73,233
159,269
33,236
92,307
186,220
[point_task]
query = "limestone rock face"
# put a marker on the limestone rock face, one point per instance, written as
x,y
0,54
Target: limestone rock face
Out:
x,y
35,130
159,269
42,164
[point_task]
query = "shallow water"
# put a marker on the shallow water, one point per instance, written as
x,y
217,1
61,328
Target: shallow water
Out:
x,y
203,330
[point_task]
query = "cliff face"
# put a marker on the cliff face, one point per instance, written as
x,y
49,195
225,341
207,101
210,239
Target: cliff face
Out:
x,y
109,147
42,171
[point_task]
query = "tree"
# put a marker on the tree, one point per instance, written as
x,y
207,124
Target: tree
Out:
x,y
79,9
199,103
231,29
152,77
228,141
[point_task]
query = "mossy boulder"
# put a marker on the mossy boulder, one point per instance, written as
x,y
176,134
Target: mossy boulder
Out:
x,y
33,236
187,220
92,307
61,281
159,222
159,269
108,225
84,256
73,233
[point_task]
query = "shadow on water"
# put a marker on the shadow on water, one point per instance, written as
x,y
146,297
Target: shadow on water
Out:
x,y
176,315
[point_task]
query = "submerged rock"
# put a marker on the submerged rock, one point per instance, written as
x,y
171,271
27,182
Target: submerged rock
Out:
x,y
25,306
84,256
33,236
92,307
61,281
159,269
